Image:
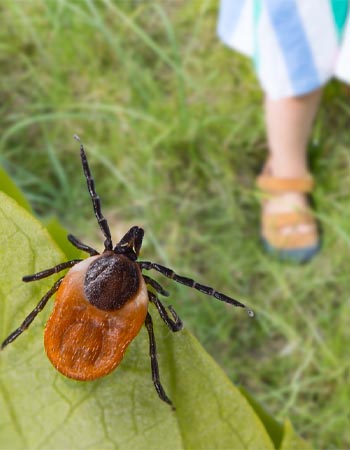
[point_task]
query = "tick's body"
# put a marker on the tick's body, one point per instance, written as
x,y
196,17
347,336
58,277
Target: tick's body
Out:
x,y
81,340
102,302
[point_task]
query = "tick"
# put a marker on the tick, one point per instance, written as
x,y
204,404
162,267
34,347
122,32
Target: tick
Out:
x,y
102,302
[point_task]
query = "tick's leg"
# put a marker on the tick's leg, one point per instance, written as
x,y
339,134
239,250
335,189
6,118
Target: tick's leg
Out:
x,y
154,362
156,286
48,272
147,265
96,202
85,248
174,324
31,316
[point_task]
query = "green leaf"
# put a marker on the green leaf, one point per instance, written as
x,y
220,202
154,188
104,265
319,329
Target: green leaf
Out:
x,y
274,428
283,436
55,229
40,408
9,187
291,441
59,235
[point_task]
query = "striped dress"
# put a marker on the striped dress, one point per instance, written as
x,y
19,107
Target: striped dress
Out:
x,y
296,45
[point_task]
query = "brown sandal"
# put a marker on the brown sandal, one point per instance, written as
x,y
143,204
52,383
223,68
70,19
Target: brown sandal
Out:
x,y
297,246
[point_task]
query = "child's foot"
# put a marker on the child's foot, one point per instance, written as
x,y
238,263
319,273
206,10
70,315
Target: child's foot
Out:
x,y
288,227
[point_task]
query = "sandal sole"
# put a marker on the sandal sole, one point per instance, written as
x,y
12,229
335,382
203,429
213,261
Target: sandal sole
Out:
x,y
297,255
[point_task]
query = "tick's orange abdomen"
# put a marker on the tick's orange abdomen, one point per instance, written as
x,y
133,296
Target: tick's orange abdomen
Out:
x,y
84,342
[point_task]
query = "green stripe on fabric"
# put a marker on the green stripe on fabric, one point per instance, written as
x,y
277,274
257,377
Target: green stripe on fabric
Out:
x,y
340,10
256,16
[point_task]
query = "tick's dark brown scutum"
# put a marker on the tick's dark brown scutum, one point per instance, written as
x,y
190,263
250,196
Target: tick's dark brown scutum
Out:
x,y
111,280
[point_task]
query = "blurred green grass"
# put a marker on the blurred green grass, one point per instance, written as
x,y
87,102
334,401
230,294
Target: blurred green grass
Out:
x,y
173,127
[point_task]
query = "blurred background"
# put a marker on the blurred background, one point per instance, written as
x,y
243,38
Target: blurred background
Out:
x,y
172,124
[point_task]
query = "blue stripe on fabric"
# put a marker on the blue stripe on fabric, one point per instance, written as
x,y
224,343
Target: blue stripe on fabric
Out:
x,y
294,45
229,15
257,8
340,11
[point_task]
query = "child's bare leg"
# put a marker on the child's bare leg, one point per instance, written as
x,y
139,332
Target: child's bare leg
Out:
x,y
289,123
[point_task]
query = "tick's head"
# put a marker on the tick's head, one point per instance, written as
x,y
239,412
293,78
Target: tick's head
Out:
x,y
130,244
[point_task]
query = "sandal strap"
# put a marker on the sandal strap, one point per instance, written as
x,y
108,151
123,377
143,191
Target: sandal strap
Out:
x,y
273,225
294,218
291,241
271,184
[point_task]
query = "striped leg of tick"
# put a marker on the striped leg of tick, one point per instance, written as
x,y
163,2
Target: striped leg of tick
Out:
x,y
156,286
96,202
48,272
154,362
147,265
78,244
174,324
31,316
